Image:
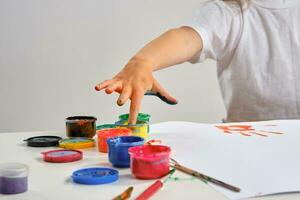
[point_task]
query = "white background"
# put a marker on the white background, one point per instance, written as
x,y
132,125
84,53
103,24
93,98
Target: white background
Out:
x,y
53,52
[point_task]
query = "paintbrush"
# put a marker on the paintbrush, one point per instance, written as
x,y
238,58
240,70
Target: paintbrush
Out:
x,y
125,195
152,189
203,177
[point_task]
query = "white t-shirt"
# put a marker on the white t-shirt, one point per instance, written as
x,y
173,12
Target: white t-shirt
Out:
x,y
257,54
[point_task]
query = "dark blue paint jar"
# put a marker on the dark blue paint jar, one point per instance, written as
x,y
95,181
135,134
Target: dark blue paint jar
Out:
x,y
118,149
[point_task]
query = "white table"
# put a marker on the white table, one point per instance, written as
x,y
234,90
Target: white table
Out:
x,y
49,181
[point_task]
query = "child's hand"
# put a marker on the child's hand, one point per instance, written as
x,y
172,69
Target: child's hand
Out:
x,y
173,47
132,83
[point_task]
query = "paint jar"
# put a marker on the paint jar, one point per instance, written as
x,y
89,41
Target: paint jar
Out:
x,y
13,178
81,126
105,134
141,117
118,149
150,161
105,126
140,129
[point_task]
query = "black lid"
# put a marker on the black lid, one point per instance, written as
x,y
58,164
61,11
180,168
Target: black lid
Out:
x,y
43,141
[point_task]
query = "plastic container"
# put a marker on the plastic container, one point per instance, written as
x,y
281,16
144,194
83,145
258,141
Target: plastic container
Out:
x,y
141,117
118,149
105,134
43,141
150,161
13,178
76,143
95,176
81,126
140,129
105,126
62,156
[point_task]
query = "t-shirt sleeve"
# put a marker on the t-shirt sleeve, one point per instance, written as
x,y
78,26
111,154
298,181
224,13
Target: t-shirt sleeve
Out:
x,y
219,25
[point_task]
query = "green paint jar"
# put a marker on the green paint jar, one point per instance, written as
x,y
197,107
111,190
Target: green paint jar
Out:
x,y
105,126
141,117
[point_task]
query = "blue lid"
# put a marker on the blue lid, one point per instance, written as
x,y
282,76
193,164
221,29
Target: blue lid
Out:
x,y
95,176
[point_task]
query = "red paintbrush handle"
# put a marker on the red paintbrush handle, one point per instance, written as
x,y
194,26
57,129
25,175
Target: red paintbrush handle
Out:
x,y
150,190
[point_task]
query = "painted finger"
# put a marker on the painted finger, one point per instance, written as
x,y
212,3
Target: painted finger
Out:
x,y
124,96
160,92
103,85
113,87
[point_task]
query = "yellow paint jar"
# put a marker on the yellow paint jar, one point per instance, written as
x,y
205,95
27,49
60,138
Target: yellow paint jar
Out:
x,y
140,129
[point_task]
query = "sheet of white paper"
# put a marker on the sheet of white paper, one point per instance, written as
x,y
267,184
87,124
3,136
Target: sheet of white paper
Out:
x,y
260,162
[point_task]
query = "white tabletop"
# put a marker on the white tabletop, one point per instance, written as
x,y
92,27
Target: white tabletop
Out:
x,y
52,180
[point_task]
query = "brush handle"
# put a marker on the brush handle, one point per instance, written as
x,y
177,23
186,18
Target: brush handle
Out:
x,y
150,190
206,178
125,195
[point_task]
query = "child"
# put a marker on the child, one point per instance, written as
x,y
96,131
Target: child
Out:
x,y
256,45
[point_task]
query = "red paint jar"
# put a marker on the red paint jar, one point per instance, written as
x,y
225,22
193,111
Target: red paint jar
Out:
x,y
150,161
105,134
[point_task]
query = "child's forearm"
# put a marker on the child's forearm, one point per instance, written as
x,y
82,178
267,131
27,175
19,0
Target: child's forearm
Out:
x,y
173,47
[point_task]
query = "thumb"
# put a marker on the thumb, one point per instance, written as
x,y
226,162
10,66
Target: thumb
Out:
x,y
162,93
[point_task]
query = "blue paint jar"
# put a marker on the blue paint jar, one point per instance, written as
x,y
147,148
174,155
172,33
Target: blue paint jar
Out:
x,y
118,149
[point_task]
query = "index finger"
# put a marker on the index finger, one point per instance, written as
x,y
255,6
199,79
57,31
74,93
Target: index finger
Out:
x,y
135,105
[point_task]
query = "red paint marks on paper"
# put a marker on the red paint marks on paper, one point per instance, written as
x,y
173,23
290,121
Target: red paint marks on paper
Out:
x,y
247,130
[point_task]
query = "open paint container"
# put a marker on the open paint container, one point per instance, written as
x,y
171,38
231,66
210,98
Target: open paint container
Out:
x,y
140,129
150,161
141,117
105,126
105,134
81,126
118,149
13,178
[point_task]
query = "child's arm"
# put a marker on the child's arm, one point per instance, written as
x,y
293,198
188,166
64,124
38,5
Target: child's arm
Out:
x,y
173,47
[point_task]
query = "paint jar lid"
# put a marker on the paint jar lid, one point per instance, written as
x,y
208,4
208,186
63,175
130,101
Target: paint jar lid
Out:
x,y
95,176
43,141
62,156
105,126
77,143
14,170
